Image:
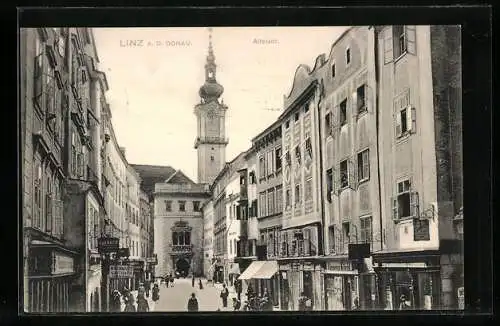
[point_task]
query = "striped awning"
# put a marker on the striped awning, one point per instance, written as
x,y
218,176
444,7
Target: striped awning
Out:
x,y
267,270
251,270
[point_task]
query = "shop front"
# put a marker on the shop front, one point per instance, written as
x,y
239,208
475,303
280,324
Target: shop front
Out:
x,y
262,276
51,278
341,284
138,277
299,276
94,281
408,280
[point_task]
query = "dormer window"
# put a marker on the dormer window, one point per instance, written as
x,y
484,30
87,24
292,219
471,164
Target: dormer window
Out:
x,y
333,70
348,56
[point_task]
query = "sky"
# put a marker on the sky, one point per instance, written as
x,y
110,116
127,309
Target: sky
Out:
x,y
154,75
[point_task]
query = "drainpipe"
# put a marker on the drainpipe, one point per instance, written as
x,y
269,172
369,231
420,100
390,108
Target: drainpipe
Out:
x,y
377,124
321,247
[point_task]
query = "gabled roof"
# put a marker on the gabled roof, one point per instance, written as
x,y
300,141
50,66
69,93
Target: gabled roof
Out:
x,y
152,174
178,177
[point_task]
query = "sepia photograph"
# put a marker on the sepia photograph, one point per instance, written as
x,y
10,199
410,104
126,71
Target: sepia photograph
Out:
x,y
241,169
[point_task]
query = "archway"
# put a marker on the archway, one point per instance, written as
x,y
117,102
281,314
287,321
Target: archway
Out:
x,y
182,267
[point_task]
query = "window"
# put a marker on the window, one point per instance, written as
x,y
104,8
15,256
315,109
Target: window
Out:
x,y
269,162
345,234
287,198
211,157
37,209
333,70
308,189
297,154
279,199
400,42
405,203
405,118
262,202
252,177
360,99
343,112
328,124
271,203
287,124
262,167
297,116
344,176
329,184
182,205
196,206
278,158
364,165
366,230
309,147
331,238
297,194
348,56
306,107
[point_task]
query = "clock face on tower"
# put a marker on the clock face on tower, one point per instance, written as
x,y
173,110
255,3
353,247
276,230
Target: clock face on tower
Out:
x,y
211,114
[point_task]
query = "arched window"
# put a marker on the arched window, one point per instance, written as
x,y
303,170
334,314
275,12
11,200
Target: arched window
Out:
x,y
174,238
187,238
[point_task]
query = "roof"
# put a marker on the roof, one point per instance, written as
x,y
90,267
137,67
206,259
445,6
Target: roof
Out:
x,y
178,177
152,174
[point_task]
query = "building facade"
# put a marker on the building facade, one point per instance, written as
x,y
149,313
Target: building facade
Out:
x,y
269,203
208,238
349,169
178,225
421,176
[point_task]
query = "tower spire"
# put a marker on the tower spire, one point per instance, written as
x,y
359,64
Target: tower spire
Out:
x,y
211,90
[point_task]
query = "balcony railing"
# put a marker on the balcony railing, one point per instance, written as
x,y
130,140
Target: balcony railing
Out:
x,y
210,140
181,249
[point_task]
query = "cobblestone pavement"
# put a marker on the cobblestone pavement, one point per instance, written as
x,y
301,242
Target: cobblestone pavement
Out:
x,y
176,298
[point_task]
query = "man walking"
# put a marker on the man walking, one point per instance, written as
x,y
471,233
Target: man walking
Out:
x,y
192,280
224,294
192,303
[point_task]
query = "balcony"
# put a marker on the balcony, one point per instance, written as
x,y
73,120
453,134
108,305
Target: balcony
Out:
x,y
210,140
181,249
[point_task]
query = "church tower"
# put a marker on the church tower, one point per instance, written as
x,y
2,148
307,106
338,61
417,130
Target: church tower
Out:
x,y
211,141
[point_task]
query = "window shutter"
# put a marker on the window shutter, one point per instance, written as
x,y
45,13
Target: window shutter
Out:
x,y
352,173
335,119
414,211
411,119
398,123
395,213
354,105
366,164
410,39
336,180
388,46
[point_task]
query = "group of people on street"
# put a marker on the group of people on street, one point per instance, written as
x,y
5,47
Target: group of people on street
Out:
x,y
130,302
168,279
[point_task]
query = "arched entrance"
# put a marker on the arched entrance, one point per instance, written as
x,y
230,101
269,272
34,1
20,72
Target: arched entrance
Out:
x,y
182,267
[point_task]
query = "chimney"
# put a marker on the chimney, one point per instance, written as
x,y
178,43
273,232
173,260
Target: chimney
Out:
x,y
123,150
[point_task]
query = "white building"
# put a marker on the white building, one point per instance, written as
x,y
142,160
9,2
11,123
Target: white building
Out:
x,y
208,237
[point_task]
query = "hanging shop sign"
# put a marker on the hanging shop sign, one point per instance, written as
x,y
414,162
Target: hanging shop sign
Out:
x,y
152,260
421,230
108,245
123,252
62,264
121,271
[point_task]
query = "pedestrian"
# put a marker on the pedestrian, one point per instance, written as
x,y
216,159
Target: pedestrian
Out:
x,y
129,305
116,302
224,294
304,302
141,289
142,303
267,304
200,284
172,280
192,303
167,279
250,293
147,285
403,304
192,281
236,304
156,293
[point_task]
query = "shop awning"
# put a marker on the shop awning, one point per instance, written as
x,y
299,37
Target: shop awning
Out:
x,y
235,269
251,270
267,270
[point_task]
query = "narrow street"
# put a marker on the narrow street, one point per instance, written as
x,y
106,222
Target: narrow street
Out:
x,y
175,298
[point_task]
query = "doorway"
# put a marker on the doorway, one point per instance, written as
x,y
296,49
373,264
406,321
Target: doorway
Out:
x,y
285,291
308,288
182,267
